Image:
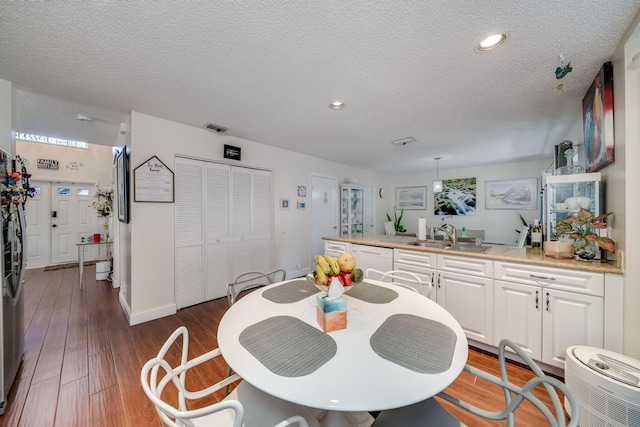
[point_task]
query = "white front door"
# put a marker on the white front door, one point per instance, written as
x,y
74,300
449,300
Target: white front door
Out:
x,y
37,212
72,219
324,211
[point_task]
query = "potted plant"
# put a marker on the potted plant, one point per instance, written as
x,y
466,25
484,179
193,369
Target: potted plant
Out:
x,y
396,220
581,228
103,204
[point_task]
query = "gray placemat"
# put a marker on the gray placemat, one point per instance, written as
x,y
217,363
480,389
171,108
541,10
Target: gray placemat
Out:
x,y
374,294
422,345
287,346
290,292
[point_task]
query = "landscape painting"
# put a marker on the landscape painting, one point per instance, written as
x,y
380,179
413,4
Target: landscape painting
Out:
x,y
458,197
512,194
411,197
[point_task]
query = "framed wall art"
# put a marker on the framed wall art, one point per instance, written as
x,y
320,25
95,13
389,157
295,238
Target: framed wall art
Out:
x,y
122,184
458,197
597,118
153,182
521,194
411,198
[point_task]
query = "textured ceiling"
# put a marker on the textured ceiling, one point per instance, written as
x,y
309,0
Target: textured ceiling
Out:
x,y
268,70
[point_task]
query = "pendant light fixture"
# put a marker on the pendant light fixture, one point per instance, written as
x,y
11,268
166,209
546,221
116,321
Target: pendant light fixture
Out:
x,y
437,184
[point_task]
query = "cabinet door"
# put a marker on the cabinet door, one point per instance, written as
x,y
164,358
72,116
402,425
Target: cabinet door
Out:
x,y
261,216
426,275
469,299
189,208
518,316
570,319
217,179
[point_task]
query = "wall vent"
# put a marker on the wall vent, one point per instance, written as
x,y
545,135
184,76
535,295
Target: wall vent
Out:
x,y
216,128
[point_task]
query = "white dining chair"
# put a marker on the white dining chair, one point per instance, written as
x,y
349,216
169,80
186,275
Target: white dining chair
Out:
x,y
431,412
406,279
253,279
246,406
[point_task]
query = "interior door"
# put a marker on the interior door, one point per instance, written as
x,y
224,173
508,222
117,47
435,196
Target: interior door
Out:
x,y
324,211
72,218
38,218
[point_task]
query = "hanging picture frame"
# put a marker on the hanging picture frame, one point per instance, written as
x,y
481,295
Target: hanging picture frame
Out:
x,y
409,198
597,119
122,184
520,194
153,182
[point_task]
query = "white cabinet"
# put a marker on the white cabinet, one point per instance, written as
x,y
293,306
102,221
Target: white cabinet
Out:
x,y
334,248
372,257
545,310
420,263
356,209
465,289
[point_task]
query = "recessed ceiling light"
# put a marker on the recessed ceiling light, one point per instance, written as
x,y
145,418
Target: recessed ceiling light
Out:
x,y
492,42
336,105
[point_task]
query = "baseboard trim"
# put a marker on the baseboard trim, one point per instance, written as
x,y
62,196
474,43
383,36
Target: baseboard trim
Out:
x,y
146,316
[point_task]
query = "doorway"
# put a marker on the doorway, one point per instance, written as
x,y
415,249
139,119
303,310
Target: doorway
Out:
x,y
58,217
324,211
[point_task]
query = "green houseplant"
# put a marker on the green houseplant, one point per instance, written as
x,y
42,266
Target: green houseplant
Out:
x,y
581,228
396,220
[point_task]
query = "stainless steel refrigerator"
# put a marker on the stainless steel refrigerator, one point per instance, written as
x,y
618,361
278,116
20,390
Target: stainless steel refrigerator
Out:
x,y
12,271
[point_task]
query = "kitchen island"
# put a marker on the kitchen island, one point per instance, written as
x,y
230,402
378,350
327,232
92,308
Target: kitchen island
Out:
x,y
496,253
543,304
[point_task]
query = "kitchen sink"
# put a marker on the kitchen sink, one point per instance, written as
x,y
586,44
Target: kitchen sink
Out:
x,y
431,244
469,247
446,245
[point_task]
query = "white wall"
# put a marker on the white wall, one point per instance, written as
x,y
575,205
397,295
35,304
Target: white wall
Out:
x,y
500,225
6,116
152,224
74,164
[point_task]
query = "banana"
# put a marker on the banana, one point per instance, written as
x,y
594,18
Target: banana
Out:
x,y
321,276
333,263
324,265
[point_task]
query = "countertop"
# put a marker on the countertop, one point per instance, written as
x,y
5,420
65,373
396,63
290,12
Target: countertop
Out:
x,y
496,253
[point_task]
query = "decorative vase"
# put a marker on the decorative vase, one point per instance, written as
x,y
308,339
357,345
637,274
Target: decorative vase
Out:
x,y
584,250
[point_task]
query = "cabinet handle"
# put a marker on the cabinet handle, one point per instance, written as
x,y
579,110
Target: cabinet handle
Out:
x,y
547,301
542,277
438,280
537,301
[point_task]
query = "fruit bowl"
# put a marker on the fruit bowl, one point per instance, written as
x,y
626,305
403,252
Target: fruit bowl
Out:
x,y
311,277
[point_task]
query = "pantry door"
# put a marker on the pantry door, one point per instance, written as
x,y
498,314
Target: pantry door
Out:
x,y
324,211
72,219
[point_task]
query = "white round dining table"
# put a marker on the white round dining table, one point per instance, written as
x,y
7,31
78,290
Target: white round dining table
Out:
x,y
398,347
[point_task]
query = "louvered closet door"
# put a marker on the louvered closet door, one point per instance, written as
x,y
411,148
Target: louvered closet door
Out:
x,y
189,232
241,248
217,180
262,218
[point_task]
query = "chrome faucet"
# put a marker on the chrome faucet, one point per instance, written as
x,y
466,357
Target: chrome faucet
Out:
x,y
452,234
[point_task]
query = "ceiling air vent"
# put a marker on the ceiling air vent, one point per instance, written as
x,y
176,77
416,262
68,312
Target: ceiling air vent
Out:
x,y
404,141
216,128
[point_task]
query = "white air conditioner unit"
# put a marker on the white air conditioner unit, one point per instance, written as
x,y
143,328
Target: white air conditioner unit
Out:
x,y
606,385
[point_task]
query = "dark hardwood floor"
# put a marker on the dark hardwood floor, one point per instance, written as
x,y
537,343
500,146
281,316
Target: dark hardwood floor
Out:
x,y
82,360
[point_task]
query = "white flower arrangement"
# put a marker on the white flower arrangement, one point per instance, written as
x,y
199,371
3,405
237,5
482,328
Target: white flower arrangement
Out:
x,y
103,201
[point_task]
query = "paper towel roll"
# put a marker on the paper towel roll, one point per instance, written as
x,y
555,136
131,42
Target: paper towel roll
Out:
x,y
422,228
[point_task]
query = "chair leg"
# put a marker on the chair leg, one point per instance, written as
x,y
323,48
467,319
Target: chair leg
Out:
x,y
228,375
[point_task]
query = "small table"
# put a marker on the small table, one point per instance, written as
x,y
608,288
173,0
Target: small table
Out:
x,y
81,247
271,338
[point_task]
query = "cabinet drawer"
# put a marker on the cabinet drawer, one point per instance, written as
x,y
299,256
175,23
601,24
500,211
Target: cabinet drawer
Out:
x,y
331,246
552,278
417,258
464,265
